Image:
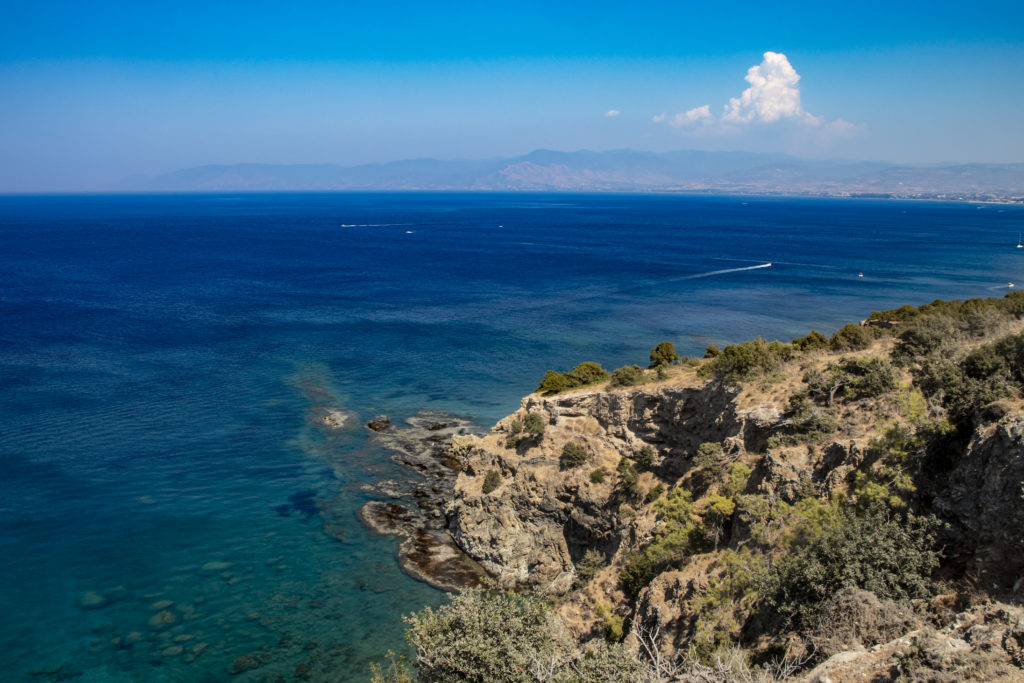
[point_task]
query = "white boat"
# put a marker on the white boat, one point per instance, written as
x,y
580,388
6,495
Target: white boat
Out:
x,y
1019,245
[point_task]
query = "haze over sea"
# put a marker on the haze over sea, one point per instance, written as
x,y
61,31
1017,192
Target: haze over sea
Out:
x,y
165,361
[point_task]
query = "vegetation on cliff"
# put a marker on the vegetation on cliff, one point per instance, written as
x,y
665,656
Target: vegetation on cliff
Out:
x,y
811,512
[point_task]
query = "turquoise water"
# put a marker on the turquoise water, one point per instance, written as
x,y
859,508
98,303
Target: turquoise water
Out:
x,y
165,361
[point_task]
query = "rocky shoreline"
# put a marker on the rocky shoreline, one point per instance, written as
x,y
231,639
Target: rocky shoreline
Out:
x,y
432,445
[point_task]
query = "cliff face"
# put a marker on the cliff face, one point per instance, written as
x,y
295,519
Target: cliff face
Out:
x,y
542,519
984,501
536,525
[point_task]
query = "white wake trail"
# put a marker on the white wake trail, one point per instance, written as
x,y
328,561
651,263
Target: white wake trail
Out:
x,y
723,271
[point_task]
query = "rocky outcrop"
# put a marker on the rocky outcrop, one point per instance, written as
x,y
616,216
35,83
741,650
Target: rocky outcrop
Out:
x,y
984,643
541,519
984,501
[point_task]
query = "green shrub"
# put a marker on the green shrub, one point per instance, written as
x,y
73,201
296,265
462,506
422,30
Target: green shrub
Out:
x,y
573,455
553,383
644,457
533,424
870,377
597,476
812,342
893,557
664,354
709,454
627,376
742,361
628,485
587,373
590,564
678,535
712,351
655,493
491,481
614,624
851,337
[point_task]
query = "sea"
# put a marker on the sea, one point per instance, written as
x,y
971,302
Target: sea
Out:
x,y
172,507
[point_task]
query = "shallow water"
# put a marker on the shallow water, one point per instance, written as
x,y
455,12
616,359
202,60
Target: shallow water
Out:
x,y
165,362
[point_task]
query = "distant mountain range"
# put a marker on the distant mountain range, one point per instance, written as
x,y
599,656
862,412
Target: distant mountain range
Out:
x,y
621,170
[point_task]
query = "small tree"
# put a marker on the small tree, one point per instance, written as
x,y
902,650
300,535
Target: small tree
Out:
x,y
709,454
627,376
664,354
573,455
533,425
587,373
553,383
645,457
491,481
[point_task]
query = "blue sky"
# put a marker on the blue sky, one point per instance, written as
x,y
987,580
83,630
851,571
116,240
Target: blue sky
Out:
x,y
93,92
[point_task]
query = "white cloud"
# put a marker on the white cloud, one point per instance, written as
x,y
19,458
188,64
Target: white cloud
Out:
x,y
693,116
612,112
773,97
774,94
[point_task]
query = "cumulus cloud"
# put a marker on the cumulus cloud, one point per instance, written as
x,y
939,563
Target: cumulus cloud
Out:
x,y
612,112
774,93
773,97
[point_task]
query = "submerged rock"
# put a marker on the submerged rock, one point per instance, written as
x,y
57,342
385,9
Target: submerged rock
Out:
x,y
162,619
242,664
211,567
91,600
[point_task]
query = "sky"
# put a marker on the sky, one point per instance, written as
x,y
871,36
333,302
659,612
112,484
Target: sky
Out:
x,y
94,93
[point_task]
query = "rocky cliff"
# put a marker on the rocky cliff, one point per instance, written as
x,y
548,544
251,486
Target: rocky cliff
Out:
x,y
536,521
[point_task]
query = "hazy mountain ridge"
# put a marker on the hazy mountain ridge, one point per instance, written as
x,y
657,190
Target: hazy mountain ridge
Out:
x,y
620,170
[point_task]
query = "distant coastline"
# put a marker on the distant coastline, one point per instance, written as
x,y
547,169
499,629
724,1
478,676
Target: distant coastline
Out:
x,y
689,172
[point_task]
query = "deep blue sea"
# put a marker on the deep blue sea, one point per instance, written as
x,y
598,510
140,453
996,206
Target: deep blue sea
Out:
x,y
163,360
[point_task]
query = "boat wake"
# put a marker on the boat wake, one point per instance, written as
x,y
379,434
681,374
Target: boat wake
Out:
x,y
723,271
373,225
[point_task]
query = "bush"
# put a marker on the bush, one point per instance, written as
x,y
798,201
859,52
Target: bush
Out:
x,y
678,535
573,455
627,376
664,354
590,564
554,383
855,619
812,342
533,424
585,373
742,361
644,458
712,351
597,476
482,637
531,427
655,493
893,557
709,454
851,337
491,481
870,377
628,485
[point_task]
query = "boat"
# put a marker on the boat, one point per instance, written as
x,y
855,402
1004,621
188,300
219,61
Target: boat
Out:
x,y
860,274
1019,245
